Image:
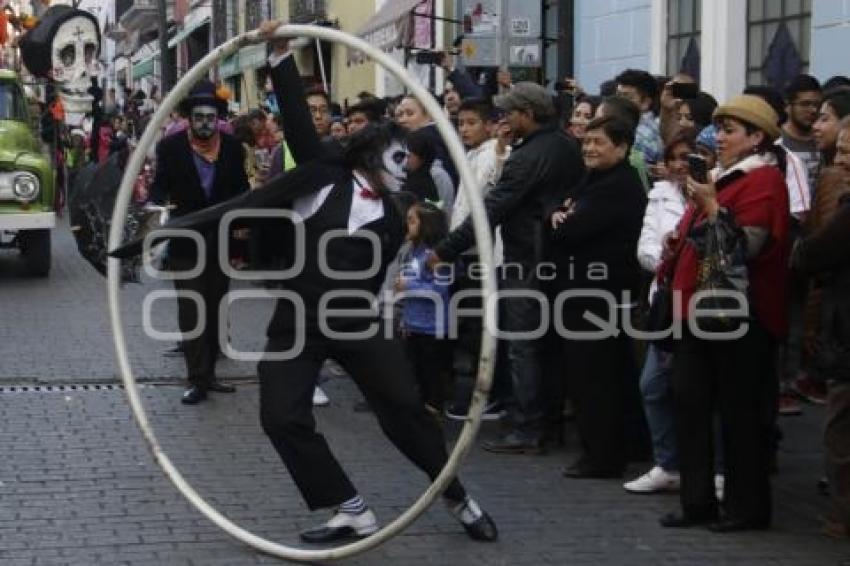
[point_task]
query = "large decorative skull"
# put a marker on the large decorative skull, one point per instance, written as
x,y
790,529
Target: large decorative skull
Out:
x,y
65,46
74,55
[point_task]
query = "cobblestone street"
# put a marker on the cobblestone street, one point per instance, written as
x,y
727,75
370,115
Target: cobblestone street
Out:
x,y
79,486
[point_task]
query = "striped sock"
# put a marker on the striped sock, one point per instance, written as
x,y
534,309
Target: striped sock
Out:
x,y
354,506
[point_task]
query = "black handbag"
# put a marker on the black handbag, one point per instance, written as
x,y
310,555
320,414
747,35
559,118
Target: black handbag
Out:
x,y
721,303
659,318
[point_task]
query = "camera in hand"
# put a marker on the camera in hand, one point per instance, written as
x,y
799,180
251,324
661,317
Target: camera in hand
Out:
x,y
698,167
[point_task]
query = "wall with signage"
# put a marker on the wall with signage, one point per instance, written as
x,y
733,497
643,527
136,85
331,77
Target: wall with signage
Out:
x,y
502,33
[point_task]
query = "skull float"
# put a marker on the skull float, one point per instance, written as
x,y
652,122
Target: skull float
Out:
x,y
64,46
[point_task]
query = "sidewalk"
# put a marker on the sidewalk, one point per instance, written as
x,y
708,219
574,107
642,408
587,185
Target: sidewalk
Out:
x,y
79,487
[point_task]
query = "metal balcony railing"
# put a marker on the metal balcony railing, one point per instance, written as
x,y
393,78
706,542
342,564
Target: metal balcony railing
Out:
x,y
141,14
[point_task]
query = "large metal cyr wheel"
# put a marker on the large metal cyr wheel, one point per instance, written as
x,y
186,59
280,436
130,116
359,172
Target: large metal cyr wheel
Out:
x,y
483,239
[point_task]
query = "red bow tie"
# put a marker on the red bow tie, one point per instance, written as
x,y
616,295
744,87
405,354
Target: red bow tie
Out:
x,y
367,193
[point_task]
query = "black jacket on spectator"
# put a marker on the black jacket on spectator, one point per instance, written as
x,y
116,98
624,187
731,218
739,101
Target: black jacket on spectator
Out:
x,y
825,254
177,181
540,171
596,247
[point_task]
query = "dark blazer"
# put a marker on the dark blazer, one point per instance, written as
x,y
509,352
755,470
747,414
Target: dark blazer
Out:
x,y
603,229
539,171
177,181
308,149
318,165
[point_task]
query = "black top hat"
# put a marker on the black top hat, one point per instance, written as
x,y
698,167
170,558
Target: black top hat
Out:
x,y
203,94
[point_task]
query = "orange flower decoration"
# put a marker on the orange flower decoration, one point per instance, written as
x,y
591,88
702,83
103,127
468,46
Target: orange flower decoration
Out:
x,y
222,92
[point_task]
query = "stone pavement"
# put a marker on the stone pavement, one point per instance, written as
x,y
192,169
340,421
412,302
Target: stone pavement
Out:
x,y
78,486
57,329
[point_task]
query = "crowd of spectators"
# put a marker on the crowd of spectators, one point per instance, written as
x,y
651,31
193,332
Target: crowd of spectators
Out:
x,y
649,186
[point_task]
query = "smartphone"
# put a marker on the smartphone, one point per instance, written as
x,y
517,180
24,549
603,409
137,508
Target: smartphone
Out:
x,y
698,167
684,91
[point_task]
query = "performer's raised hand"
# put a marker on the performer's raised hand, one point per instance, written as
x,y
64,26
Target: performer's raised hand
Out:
x,y
280,45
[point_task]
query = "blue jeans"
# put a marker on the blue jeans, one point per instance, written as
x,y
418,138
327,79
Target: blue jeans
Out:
x,y
523,314
656,388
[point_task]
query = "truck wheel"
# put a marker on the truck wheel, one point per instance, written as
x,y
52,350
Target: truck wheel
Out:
x,y
35,248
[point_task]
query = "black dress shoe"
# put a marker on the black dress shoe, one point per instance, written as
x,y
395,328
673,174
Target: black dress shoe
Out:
x,y
732,524
483,529
475,521
194,395
342,526
676,520
513,443
221,387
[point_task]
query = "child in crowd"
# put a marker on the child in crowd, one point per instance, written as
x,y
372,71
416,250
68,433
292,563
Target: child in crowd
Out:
x,y
420,157
486,138
425,302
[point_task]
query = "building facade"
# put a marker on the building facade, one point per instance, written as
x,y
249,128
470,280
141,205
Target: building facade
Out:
x,y
729,43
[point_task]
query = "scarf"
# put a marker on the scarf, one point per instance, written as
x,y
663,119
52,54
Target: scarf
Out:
x,y
749,163
207,149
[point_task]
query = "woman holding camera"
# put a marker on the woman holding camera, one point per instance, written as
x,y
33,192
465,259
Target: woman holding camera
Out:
x,y
734,247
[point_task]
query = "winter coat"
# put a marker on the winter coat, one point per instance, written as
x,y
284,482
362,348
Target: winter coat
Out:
x,y
540,170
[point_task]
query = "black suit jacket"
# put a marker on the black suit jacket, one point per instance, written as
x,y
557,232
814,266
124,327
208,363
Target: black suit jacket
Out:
x,y
177,181
603,230
318,164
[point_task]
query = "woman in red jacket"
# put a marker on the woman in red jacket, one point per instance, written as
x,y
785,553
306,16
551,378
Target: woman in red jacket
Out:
x,y
739,220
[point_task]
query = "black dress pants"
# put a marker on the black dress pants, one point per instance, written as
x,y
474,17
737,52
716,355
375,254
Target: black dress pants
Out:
x,y
383,373
597,374
201,352
431,359
737,379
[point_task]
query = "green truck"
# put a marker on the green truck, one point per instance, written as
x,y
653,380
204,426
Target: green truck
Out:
x,y
26,181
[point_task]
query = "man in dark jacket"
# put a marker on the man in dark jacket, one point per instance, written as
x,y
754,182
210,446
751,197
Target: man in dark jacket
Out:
x,y
195,169
544,165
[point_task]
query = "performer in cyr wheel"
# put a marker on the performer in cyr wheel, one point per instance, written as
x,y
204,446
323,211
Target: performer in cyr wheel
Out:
x,y
340,190
353,202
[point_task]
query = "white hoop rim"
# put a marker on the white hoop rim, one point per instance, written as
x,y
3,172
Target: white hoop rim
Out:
x,y
483,241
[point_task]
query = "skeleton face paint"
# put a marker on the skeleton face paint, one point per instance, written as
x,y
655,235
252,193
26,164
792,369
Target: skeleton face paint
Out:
x,y
203,120
74,59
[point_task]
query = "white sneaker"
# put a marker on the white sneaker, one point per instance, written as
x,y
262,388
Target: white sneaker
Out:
x,y
653,481
320,399
719,484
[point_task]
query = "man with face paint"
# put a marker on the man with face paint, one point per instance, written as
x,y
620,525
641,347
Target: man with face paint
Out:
x,y
197,168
